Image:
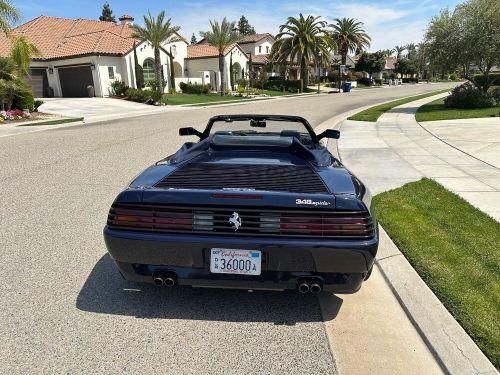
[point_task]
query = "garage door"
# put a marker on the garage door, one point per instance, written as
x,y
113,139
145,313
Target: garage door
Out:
x,y
38,82
74,81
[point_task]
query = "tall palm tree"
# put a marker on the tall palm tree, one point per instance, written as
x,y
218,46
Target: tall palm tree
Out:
x,y
221,36
8,15
157,32
399,51
304,40
349,35
412,50
22,52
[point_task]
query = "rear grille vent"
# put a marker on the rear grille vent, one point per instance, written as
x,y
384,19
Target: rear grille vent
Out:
x,y
291,178
215,220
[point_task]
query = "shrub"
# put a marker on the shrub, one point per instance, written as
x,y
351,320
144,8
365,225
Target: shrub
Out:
x,y
118,88
410,80
494,92
358,75
283,85
333,75
454,76
242,82
468,95
365,81
144,96
348,76
24,100
379,82
494,79
38,103
194,88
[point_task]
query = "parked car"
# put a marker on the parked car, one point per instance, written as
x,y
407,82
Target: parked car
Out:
x,y
257,203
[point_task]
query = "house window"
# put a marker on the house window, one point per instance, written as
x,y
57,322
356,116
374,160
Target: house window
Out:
x,y
111,72
148,68
260,49
267,49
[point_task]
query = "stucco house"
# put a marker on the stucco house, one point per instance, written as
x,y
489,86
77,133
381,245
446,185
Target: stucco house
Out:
x,y
76,53
202,64
257,47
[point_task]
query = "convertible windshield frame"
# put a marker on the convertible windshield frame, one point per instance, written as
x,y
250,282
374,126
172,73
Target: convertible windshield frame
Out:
x,y
284,118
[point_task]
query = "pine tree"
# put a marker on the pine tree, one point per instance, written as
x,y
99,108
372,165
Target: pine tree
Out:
x,y
107,13
244,28
193,39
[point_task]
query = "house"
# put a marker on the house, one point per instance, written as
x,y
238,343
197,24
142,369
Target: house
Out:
x,y
257,47
76,53
202,64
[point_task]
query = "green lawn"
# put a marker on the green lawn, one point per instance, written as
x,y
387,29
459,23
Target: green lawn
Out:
x,y
213,98
437,111
372,114
456,250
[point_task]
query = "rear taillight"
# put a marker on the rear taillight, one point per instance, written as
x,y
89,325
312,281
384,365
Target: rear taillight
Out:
x,y
147,218
332,226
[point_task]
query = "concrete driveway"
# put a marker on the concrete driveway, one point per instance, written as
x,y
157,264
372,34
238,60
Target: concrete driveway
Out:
x,y
65,309
98,109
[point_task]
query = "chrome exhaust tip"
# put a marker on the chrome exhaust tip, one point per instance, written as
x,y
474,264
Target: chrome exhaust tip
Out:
x,y
316,288
303,287
169,281
158,281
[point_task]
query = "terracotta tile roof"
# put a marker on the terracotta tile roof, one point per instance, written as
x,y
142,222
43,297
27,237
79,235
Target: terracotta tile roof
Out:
x,y
254,38
58,38
204,50
260,59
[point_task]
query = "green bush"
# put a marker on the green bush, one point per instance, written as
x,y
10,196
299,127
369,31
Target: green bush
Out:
x,y
144,96
38,103
410,80
284,85
494,79
194,88
379,81
494,92
454,76
24,100
468,95
119,88
358,75
333,75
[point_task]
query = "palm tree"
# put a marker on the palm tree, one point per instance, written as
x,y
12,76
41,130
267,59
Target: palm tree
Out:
x,y
399,51
157,32
304,40
349,35
22,52
222,36
8,15
412,50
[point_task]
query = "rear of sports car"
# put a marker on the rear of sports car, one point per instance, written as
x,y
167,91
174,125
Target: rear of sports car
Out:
x,y
232,220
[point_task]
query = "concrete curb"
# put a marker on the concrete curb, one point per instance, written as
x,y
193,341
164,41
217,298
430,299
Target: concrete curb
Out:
x,y
452,347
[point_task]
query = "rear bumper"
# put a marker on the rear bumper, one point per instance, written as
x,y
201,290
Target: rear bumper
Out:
x,y
340,265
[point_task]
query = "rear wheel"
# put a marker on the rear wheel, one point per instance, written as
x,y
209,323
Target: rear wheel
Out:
x,y
369,273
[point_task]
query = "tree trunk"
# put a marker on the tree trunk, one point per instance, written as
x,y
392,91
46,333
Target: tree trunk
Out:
x,y
303,73
172,73
159,83
344,56
222,75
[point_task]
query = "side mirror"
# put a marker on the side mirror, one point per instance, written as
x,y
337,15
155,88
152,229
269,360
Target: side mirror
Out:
x,y
189,131
329,133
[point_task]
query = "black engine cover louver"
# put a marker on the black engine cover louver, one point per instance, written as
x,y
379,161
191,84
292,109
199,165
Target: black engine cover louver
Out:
x,y
290,178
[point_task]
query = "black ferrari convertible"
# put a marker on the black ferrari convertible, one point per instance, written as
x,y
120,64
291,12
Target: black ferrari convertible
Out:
x,y
257,203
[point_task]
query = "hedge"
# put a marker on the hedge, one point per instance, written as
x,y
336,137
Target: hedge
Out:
x,y
24,100
494,79
190,88
282,85
410,80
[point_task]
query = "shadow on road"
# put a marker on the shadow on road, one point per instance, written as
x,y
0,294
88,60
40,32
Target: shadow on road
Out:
x,y
106,292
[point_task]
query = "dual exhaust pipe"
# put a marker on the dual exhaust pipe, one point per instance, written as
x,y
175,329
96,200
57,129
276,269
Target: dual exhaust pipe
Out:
x,y
165,280
312,286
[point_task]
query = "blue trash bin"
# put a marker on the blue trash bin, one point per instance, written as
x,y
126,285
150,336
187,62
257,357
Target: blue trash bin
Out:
x,y
347,87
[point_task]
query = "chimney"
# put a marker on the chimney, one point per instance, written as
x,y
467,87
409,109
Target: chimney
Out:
x,y
126,20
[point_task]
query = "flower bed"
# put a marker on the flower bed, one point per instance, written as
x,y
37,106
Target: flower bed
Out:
x,y
13,115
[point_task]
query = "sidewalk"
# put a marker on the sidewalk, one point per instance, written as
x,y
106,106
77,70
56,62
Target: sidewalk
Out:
x,y
396,150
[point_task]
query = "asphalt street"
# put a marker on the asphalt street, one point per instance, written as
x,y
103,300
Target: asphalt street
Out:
x,y
65,309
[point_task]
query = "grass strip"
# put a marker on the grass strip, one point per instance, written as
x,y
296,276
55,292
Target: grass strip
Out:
x,y
55,122
437,111
455,248
372,114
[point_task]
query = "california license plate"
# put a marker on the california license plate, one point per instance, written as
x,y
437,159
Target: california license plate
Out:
x,y
239,262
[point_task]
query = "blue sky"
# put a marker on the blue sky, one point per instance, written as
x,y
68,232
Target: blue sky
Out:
x,y
388,23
